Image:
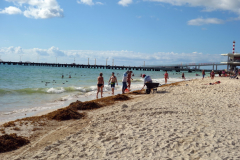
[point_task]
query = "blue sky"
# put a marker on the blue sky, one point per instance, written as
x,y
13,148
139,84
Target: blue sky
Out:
x,y
128,31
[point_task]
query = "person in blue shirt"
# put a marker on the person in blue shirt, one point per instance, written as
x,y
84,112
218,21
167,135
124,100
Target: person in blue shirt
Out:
x,y
124,82
147,79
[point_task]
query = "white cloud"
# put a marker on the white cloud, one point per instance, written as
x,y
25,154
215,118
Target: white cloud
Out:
x,y
125,2
87,2
55,51
99,3
210,5
120,57
39,9
201,21
11,10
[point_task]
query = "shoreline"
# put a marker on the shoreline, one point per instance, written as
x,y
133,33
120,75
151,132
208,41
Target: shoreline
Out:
x,y
188,119
61,104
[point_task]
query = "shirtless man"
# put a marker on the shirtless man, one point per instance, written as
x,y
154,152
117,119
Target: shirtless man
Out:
x,y
129,78
113,80
100,85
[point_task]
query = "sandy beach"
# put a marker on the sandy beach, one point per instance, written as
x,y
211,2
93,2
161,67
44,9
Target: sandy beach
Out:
x,y
188,120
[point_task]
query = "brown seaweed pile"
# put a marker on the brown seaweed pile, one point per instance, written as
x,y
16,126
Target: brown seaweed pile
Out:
x,y
94,104
78,105
12,142
65,114
120,97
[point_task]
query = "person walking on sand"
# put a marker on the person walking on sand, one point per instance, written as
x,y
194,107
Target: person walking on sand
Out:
x,y
212,74
129,78
113,80
166,77
124,81
203,74
100,84
183,77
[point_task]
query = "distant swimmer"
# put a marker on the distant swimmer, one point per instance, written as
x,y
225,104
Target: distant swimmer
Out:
x,y
70,76
62,76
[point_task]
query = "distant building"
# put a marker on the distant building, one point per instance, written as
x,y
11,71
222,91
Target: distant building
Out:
x,y
233,61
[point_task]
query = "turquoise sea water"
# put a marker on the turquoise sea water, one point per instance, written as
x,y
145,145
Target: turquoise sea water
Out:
x,y
26,90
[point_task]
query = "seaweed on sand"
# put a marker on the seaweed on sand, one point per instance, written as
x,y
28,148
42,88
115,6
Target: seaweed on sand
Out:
x,y
120,97
94,104
11,142
65,114
78,105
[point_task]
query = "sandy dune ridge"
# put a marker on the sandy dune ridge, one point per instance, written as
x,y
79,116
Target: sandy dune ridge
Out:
x,y
191,121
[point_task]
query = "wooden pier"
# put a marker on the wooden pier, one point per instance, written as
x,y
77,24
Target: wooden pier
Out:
x,y
73,65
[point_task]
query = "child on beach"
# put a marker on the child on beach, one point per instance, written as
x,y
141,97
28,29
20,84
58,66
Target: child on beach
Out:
x,y
100,85
113,80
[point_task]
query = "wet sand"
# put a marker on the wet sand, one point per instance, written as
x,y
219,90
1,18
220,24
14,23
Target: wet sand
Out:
x,y
190,120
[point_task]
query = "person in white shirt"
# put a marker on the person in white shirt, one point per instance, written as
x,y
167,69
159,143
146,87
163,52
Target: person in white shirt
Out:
x,y
147,79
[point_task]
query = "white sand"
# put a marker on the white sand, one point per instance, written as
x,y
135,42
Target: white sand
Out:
x,y
189,121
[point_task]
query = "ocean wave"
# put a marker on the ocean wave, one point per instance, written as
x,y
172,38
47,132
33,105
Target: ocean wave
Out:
x,y
56,90
22,91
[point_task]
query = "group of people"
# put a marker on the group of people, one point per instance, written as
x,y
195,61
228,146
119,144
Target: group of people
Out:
x,y
212,74
126,82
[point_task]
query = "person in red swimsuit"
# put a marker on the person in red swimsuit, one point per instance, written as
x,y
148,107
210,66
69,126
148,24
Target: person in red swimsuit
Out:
x,y
166,77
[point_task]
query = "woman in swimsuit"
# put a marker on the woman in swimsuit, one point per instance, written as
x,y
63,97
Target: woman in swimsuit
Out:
x,y
100,85
166,77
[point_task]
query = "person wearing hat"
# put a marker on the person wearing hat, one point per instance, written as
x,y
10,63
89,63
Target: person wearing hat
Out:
x,y
113,80
124,82
147,79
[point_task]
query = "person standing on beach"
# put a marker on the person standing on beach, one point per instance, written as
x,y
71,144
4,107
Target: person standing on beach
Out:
x,y
113,80
203,74
100,85
124,82
212,74
183,77
166,77
129,77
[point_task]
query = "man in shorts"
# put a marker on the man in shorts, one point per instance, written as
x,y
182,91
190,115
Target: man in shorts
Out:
x,y
124,82
113,80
